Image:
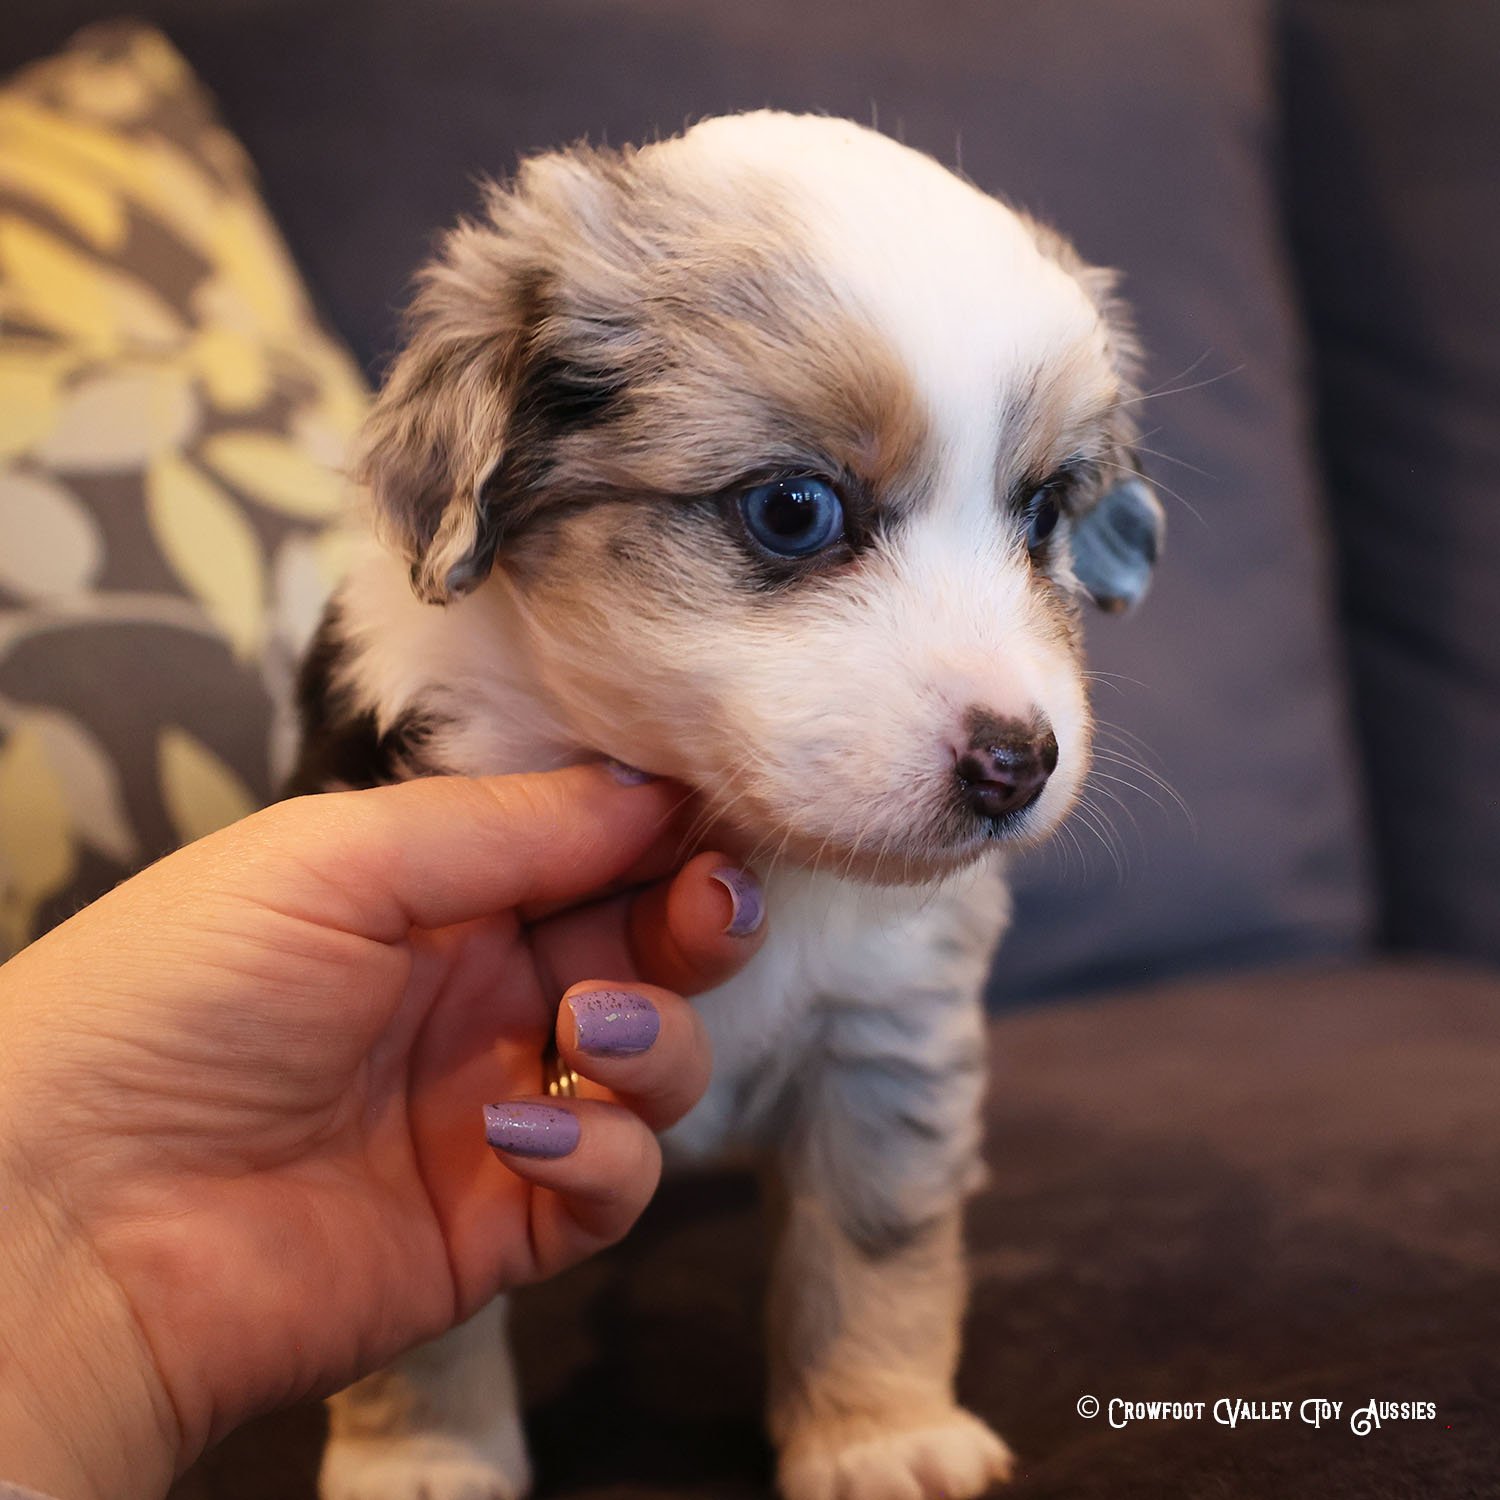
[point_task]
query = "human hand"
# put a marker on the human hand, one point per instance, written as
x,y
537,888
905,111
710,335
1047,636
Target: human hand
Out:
x,y
241,1151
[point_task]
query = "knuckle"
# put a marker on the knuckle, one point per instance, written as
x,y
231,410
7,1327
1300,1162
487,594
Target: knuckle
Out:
x,y
642,1166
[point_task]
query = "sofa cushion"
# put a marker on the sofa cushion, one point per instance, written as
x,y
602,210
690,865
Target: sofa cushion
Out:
x,y
171,421
1142,130
1275,1189
1393,124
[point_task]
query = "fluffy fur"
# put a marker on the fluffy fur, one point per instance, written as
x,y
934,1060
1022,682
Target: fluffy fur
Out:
x,y
596,372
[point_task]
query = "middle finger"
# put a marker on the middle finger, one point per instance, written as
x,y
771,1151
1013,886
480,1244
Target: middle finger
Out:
x,y
641,1045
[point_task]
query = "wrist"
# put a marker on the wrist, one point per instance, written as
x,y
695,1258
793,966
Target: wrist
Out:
x,y
83,1414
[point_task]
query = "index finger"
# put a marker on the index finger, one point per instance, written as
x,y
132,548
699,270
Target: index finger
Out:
x,y
686,933
449,849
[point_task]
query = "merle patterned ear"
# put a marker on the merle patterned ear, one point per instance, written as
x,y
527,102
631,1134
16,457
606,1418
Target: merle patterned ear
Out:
x,y
434,434
1116,544
477,378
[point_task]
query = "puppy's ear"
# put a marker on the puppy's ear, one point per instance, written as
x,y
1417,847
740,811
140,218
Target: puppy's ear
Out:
x,y
1117,540
438,427
1116,544
508,349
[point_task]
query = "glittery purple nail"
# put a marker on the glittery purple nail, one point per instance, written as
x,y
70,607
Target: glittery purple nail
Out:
x,y
628,775
749,904
614,1023
525,1129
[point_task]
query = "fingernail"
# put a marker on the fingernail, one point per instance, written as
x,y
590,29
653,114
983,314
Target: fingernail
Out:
x,y
614,1023
749,904
628,775
525,1129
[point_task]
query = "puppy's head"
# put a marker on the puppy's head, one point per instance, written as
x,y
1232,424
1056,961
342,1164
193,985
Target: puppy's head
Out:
x,y
796,453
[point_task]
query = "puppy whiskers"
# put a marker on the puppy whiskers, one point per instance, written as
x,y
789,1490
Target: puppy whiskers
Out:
x,y
1182,500
1121,760
1092,818
1178,390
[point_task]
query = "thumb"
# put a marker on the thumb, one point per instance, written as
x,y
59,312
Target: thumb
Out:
x,y
448,849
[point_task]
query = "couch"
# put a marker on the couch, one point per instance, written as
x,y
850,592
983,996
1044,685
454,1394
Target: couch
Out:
x,y
1246,1034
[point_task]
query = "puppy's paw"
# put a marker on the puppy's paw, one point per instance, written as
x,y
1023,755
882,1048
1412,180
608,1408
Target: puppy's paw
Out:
x,y
945,1456
426,1468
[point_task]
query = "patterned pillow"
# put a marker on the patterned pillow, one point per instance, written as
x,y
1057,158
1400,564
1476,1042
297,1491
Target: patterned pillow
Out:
x,y
172,421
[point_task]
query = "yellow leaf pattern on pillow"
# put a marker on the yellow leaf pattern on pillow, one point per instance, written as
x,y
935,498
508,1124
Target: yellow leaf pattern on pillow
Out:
x,y
52,543
36,848
233,366
90,783
31,376
278,473
174,423
120,417
145,169
201,793
97,214
48,284
211,547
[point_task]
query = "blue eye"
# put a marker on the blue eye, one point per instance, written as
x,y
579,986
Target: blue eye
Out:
x,y
793,517
1042,516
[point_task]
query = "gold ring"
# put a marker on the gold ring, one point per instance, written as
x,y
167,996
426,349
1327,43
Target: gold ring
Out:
x,y
559,1080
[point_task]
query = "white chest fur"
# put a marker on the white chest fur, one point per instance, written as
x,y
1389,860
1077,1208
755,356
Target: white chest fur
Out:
x,y
850,975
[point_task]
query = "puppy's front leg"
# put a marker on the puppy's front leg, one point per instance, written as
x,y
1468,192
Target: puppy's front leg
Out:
x,y
441,1423
868,1290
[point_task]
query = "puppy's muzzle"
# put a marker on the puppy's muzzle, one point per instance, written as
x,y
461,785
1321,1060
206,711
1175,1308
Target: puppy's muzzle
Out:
x,y
1005,765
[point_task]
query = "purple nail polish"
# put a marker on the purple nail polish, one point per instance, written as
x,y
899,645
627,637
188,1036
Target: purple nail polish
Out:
x,y
614,1023
749,904
526,1129
628,775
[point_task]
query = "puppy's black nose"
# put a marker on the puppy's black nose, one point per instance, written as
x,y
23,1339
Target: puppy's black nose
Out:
x,y
1006,765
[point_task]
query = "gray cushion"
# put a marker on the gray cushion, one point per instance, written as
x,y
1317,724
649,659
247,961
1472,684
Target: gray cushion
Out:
x,y
1394,125
1271,1189
1142,131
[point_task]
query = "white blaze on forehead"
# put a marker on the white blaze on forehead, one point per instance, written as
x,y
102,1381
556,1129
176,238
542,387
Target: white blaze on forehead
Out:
x,y
952,277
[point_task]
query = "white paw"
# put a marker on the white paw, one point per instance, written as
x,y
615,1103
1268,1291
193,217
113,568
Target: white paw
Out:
x,y
430,1467
953,1456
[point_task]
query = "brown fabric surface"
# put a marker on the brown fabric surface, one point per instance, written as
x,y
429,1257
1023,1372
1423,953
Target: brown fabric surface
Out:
x,y
1276,1187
